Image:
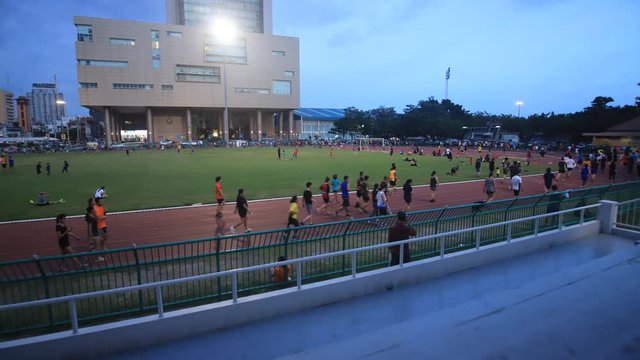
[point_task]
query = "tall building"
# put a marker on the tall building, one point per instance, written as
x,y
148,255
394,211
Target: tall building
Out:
x,y
248,15
45,104
159,81
7,107
24,120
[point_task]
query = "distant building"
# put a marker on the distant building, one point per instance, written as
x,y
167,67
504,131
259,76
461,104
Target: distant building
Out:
x,y
625,134
7,107
157,81
252,16
24,119
44,104
315,123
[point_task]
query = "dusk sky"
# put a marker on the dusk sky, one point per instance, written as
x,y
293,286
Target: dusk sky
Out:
x,y
554,55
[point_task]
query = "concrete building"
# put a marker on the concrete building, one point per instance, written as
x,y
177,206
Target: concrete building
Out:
x,y
159,81
24,118
7,107
625,134
249,15
46,104
315,123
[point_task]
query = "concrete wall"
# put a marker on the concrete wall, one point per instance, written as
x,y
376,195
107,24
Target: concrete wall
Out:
x,y
110,338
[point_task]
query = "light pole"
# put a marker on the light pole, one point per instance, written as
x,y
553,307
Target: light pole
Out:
x,y
62,102
519,104
225,31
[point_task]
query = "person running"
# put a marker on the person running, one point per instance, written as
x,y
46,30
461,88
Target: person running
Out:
x,y
478,166
516,184
307,197
295,153
393,178
562,169
594,169
364,193
505,168
242,208
548,178
325,189
221,225
219,195
100,214
335,187
407,189
433,185
571,164
65,167
39,168
64,232
358,194
489,187
390,152
612,172
92,224
293,212
374,200
584,173
344,189
381,202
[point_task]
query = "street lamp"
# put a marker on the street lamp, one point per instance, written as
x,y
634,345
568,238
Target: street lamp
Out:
x,y
519,104
225,31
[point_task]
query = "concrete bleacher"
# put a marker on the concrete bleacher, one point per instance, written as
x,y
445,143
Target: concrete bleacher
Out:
x,y
571,292
577,300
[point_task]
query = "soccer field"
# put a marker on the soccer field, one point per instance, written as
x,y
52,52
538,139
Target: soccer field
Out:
x,y
152,178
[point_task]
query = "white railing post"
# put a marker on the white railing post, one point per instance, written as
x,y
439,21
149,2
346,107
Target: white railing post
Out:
x,y
159,301
354,264
560,221
299,274
234,286
401,255
536,226
74,316
509,226
441,239
581,216
477,239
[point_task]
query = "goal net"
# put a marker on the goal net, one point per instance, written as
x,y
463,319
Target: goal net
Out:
x,y
372,144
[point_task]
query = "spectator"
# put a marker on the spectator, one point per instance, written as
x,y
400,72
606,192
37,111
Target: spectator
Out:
x,y
398,232
282,273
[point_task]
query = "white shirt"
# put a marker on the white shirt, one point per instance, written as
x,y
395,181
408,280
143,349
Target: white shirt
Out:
x,y
100,193
516,181
381,199
570,163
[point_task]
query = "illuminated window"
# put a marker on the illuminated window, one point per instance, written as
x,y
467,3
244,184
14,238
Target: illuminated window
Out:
x,y
235,52
155,49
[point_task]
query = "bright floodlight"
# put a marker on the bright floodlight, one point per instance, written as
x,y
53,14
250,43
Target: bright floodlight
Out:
x,y
519,103
60,102
224,30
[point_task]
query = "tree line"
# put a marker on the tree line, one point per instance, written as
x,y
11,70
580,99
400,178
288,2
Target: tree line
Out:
x,y
446,119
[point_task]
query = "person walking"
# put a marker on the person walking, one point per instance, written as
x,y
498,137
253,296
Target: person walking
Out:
x,y
92,224
584,173
381,201
393,177
407,189
335,187
548,178
293,212
433,185
39,168
489,187
242,208
516,184
364,194
219,195
401,230
65,167
374,200
100,214
307,198
64,232
478,166
48,168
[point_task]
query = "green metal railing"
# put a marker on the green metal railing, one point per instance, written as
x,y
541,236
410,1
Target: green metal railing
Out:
x,y
628,215
48,277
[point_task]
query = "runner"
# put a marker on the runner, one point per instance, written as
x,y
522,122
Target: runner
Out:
x,y
219,195
407,189
433,185
393,178
92,224
358,194
307,197
364,193
293,212
325,188
344,189
242,208
381,202
489,187
100,214
335,187
64,233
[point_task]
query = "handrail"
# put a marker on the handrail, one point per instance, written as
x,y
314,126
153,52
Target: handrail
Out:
x,y
72,299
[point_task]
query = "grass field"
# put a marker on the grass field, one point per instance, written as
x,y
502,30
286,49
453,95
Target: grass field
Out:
x,y
151,179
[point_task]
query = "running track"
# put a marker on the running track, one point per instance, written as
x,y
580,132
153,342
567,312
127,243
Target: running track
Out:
x,y
22,240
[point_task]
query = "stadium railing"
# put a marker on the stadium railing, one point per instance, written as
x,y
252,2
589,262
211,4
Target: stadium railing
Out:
x,y
56,276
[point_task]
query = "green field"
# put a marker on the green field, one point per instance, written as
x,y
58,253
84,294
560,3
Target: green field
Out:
x,y
151,178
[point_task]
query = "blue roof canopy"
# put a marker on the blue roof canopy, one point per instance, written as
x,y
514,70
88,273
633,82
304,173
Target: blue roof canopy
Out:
x,y
320,114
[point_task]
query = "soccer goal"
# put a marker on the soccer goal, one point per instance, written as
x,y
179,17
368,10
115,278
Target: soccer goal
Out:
x,y
372,144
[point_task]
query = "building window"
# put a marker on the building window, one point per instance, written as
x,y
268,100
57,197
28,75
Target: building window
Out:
x,y
277,53
88,85
235,52
85,33
198,73
289,74
167,87
174,34
103,63
146,87
281,87
118,41
252,91
155,49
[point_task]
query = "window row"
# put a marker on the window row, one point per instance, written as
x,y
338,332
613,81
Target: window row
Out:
x,y
103,63
146,87
194,74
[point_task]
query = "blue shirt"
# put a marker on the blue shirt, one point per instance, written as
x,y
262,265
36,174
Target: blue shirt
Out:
x,y
584,173
335,184
345,189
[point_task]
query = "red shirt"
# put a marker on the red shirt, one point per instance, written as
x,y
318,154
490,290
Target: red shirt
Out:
x,y
219,191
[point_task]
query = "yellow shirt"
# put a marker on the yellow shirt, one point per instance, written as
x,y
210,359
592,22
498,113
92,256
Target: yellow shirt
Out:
x,y
392,175
293,210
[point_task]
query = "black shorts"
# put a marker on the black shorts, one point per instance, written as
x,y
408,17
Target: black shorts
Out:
x,y
325,198
242,213
365,197
345,201
220,201
407,199
293,222
433,187
392,183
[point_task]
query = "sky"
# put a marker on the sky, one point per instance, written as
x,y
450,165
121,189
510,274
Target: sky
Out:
x,y
553,55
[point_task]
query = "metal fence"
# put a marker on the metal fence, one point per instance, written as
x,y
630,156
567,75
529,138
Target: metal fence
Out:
x,y
55,276
628,215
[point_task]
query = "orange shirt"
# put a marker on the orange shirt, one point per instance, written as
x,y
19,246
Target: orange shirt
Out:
x,y
100,216
219,191
281,273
